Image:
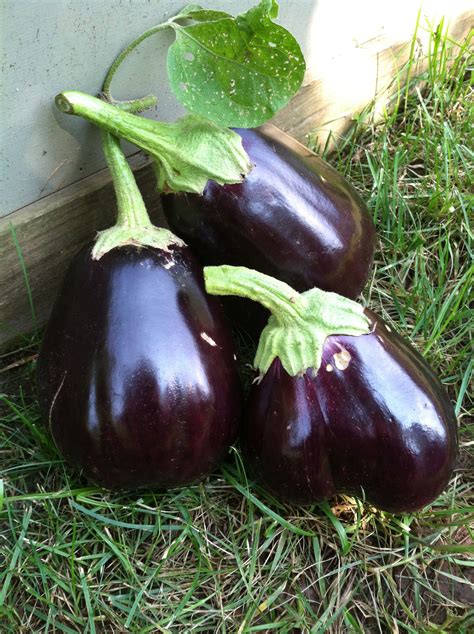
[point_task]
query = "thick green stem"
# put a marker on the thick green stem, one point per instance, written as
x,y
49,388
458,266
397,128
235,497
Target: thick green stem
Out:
x,y
102,114
132,212
300,322
186,153
133,226
285,304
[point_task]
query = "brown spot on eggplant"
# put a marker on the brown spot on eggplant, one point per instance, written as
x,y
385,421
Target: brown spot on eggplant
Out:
x,y
293,217
342,359
135,395
383,428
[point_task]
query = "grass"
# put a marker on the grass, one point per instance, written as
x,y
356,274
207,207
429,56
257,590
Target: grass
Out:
x,y
224,556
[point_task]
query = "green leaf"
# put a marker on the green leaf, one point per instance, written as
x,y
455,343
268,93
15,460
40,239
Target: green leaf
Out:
x,y
338,526
266,9
235,71
198,13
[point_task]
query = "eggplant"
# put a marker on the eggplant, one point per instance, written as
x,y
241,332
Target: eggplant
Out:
x,y
359,412
294,217
136,372
373,422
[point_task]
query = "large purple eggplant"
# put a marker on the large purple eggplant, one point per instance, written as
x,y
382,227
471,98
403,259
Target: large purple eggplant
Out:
x,y
373,422
294,217
136,374
359,412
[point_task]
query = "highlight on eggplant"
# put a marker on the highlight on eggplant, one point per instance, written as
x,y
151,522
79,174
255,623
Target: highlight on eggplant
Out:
x,y
293,217
343,404
136,374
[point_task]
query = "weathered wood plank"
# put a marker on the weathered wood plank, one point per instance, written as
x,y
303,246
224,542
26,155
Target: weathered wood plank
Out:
x,y
370,74
48,233
51,230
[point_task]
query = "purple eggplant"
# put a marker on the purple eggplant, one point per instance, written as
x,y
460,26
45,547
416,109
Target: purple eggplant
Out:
x,y
137,378
294,217
373,422
359,412
136,373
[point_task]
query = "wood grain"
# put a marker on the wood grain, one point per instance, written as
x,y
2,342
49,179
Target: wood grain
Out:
x,y
46,234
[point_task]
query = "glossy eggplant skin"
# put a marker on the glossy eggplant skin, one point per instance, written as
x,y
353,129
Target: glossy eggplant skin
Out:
x,y
136,374
293,217
373,422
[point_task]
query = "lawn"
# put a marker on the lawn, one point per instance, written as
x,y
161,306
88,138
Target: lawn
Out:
x,y
224,556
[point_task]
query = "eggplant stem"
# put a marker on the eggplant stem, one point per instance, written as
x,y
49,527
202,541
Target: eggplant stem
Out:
x,y
133,224
131,208
149,101
300,322
133,105
188,152
286,304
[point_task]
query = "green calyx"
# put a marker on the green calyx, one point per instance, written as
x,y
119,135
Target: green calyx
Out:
x,y
133,223
299,323
120,236
186,154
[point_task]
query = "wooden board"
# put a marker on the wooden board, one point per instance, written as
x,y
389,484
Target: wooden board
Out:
x,y
37,242
368,75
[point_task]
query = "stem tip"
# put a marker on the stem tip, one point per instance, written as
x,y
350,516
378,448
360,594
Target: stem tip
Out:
x,y
63,104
